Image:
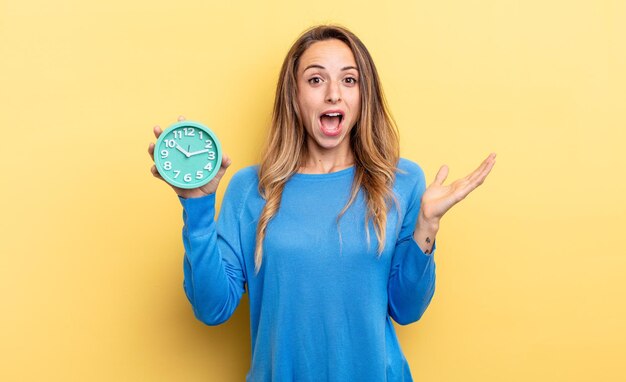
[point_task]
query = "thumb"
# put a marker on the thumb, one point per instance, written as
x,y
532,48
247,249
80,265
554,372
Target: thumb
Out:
x,y
226,162
441,176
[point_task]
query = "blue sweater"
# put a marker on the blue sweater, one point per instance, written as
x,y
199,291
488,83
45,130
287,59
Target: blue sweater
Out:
x,y
321,305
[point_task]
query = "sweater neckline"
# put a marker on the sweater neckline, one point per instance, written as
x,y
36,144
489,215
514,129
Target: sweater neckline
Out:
x,y
348,171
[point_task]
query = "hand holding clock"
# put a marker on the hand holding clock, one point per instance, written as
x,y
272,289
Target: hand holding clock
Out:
x,y
197,192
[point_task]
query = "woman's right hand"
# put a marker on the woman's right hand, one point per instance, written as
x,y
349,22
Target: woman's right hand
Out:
x,y
207,189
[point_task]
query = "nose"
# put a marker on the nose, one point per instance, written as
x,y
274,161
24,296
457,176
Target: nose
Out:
x,y
333,92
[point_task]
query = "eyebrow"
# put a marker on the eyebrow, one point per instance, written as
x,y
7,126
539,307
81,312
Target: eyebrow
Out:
x,y
321,67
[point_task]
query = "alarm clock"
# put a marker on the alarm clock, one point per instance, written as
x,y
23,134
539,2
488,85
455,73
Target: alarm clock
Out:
x,y
187,154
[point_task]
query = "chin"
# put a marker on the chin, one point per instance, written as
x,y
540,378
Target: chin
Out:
x,y
328,142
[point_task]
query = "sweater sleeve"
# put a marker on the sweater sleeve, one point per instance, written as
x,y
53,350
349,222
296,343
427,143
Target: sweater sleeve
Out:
x,y
213,262
412,275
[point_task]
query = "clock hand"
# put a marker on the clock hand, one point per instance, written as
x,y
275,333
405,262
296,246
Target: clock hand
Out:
x,y
182,150
199,152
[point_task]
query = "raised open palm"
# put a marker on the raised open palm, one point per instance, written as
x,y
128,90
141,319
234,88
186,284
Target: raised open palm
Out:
x,y
439,198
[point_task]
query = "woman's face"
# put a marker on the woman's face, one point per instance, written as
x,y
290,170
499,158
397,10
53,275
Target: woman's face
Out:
x,y
328,95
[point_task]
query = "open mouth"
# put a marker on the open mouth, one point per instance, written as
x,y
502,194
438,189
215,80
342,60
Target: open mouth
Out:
x,y
331,123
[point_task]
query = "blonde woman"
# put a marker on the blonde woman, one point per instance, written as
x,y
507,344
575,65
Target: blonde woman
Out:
x,y
332,235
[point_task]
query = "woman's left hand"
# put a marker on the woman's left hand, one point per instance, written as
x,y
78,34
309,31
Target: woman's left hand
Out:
x,y
439,198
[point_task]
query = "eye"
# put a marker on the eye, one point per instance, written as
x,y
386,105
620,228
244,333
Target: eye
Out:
x,y
314,80
351,80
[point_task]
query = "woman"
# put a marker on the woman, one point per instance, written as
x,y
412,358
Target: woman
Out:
x,y
333,233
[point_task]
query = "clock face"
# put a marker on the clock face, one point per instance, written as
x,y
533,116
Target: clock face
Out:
x,y
187,154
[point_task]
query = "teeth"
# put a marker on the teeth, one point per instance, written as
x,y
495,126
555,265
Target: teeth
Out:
x,y
333,114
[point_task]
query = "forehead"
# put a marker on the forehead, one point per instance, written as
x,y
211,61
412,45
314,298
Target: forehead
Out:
x,y
330,54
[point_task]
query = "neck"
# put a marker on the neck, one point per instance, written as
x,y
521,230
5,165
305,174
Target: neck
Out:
x,y
324,161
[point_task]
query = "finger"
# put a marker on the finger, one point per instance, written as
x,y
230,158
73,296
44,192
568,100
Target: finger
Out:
x,y
478,172
478,180
151,150
481,172
441,176
226,161
486,171
155,173
157,131
181,118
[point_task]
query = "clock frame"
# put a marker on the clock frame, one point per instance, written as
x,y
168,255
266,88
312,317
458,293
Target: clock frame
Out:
x,y
188,154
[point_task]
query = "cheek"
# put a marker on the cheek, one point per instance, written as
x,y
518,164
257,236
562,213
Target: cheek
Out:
x,y
307,105
355,104
305,113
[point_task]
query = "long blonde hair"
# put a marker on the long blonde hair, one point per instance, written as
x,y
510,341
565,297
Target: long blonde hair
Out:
x,y
373,140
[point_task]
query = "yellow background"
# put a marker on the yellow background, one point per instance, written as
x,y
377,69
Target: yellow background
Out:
x,y
530,267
